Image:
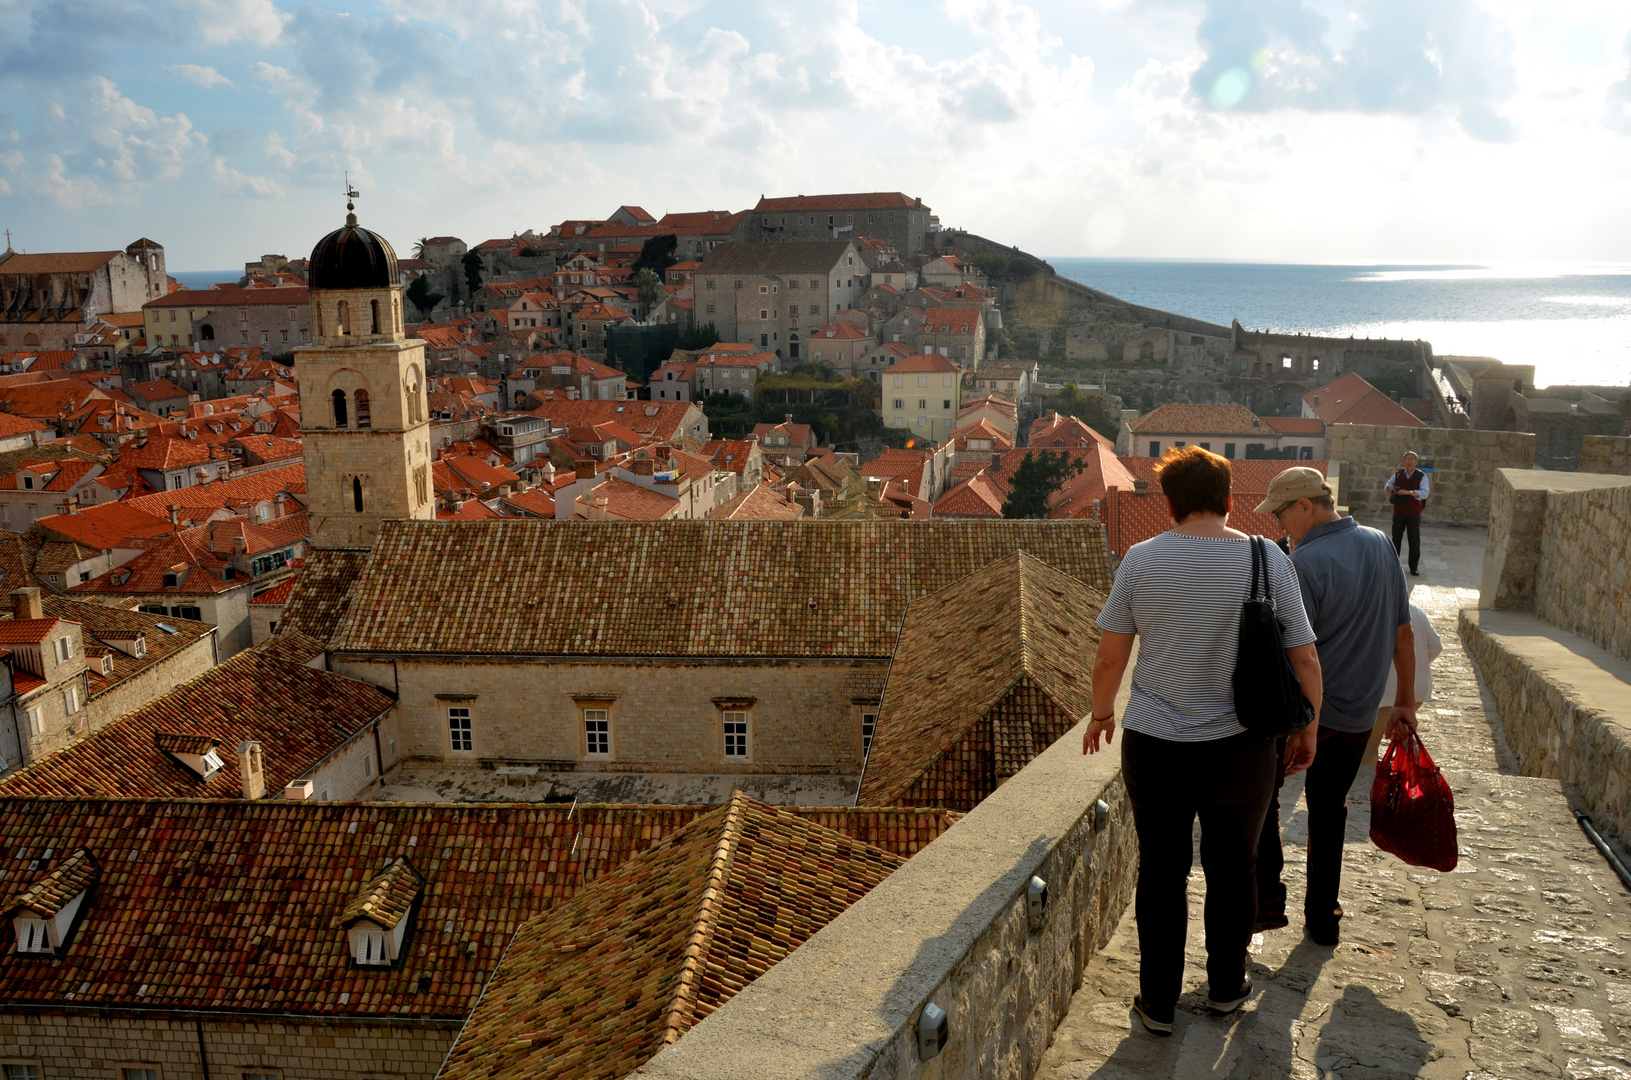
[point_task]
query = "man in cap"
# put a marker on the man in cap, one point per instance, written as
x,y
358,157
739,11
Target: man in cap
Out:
x,y
1355,594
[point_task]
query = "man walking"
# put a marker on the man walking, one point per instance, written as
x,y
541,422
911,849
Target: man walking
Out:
x,y
1407,490
1357,600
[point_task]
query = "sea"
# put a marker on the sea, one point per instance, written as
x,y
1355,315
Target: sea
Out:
x,y
1572,322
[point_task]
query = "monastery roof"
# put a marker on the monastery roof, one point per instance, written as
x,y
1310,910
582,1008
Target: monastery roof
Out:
x,y
701,221
1181,419
842,587
870,200
817,257
56,262
1016,627
239,492
163,636
322,595
759,503
299,714
676,932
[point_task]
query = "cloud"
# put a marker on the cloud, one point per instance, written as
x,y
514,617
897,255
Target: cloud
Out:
x,y
1407,57
232,182
207,77
1618,99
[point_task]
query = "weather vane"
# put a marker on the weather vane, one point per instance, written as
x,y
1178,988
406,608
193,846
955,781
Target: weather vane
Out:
x,y
350,192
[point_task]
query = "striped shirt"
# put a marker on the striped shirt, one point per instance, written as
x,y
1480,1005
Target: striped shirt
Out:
x,y
1182,596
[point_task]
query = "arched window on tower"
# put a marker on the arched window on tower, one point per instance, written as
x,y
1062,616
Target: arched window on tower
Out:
x,y
344,319
363,417
356,493
206,332
339,408
410,388
373,314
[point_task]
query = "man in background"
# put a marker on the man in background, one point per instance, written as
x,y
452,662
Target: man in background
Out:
x,y
1359,605
1407,490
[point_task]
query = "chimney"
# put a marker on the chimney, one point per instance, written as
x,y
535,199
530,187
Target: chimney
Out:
x,y
141,438
251,769
642,467
874,488
1141,487
787,418
996,461
25,603
585,468
175,513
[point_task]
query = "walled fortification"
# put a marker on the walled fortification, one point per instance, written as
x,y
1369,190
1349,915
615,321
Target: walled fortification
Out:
x,y
1464,464
1552,637
1606,454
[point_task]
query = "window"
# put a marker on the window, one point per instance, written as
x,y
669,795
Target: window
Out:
x,y
710,308
31,937
710,284
763,289
1229,450
922,403
899,382
815,285
900,403
356,493
64,649
764,313
139,1072
736,733
458,730
923,421
946,404
923,380
792,309
370,946
1205,445
597,733
340,417
1155,448
70,700
900,421
869,724
945,380
364,416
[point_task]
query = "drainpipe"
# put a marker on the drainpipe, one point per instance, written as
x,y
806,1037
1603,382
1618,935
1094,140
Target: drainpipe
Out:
x,y
203,1059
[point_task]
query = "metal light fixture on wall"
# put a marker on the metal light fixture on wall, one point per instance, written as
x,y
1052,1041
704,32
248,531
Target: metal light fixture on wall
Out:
x,y
933,1028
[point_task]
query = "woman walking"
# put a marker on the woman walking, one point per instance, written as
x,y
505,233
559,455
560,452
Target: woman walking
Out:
x,y
1184,752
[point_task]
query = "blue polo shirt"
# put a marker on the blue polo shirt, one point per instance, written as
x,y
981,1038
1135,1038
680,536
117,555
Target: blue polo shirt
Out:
x,y
1355,594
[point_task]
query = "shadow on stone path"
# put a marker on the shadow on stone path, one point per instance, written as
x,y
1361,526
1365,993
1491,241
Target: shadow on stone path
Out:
x,y
1516,965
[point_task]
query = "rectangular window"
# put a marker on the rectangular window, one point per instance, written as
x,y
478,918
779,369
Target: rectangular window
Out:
x,y
70,700
458,730
946,404
736,734
597,733
20,1071
922,403
710,309
710,284
815,285
869,724
1206,446
923,380
140,1072
1155,448
764,313
792,309
900,403
65,649
1229,450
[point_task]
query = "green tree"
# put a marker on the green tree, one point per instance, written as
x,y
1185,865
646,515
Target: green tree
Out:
x,y
992,263
730,416
1094,409
1039,478
697,337
657,253
472,271
419,247
421,296
647,285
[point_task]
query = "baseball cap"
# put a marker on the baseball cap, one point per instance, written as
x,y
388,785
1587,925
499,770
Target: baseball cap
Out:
x,y
1291,485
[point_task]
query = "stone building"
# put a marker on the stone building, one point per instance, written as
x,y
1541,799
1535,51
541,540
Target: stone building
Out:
x,y
774,296
276,318
49,297
899,219
365,413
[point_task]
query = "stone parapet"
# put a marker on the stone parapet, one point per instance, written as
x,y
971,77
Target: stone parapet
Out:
x,y
949,927
1464,464
1606,454
1566,707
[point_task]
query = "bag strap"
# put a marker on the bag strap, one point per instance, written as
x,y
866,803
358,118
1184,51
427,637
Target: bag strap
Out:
x,y
1260,559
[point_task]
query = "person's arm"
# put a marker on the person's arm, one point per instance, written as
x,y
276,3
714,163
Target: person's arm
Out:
x,y
1301,746
1402,720
1109,667
1422,488
1388,487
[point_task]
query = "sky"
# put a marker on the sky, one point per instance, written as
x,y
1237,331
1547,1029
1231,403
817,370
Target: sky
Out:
x,y
1263,130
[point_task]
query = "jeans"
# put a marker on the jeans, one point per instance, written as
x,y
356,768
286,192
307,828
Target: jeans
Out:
x,y
1336,763
1411,524
1227,783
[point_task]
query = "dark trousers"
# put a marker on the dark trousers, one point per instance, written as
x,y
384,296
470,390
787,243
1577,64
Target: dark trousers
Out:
x,y
1336,763
1410,524
1227,783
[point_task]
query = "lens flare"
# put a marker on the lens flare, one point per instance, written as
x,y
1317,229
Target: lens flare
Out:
x,y
910,443
1231,88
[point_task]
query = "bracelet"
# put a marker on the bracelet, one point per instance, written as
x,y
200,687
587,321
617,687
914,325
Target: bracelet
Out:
x,y
1103,720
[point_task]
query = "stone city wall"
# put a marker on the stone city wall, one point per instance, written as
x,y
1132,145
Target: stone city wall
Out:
x,y
1464,464
101,1044
949,927
1606,454
665,714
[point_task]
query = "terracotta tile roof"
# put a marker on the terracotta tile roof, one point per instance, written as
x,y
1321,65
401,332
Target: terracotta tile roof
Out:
x,y
19,425
58,475
56,262
180,565
101,625
982,429
870,200
1295,425
631,502
981,495
988,673
388,898
758,503
1352,400
106,525
48,896
661,420
299,714
322,593
277,594
598,312
471,509
662,941
269,447
241,491
1245,474
840,588
27,631
48,401
951,320
701,221
475,472
537,502
487,870
233,296
922,362
162,453
1057,430
1180,419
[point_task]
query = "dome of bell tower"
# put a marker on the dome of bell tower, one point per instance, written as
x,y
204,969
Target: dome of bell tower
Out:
x,y
352,258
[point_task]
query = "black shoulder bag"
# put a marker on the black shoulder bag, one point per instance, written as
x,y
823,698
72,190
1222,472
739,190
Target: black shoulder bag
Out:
x,y
1268,695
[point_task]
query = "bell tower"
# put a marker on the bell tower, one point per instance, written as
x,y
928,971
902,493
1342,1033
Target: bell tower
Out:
x,y
363,405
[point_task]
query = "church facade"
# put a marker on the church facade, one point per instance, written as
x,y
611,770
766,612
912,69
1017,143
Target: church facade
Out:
x,y
47,298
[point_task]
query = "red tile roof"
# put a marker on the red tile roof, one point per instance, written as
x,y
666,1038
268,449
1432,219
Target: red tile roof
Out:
x,y
1181,419
1295,425
58,262
1352,400
105,526
871,200
951,320
233,296
758,503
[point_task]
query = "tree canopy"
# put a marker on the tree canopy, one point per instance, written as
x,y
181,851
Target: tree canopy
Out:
x,y
1093,408
420,295
1038,478
698,337
472,271
657,254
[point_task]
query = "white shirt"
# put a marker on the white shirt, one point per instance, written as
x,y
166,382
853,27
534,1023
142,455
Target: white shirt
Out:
x,y
1428,646
1425,478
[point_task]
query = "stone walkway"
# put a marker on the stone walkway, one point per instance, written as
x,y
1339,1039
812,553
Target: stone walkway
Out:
x,y
1516,965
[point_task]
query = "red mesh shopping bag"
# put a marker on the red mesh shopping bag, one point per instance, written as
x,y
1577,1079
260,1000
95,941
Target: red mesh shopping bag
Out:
x,y
1412,813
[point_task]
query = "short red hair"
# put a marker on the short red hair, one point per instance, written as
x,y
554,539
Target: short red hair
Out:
x,y
1194,481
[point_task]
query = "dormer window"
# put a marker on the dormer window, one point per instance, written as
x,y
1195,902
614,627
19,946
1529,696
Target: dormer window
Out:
x,y
377,922
44,917
196,753
28,483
